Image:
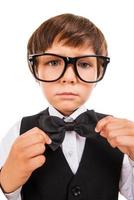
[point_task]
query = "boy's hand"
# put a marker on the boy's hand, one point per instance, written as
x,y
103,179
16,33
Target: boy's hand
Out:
x,y
119,133
25,156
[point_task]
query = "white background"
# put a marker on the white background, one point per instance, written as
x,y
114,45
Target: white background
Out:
x,y
20,95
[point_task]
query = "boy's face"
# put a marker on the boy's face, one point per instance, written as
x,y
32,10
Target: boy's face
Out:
x,y
69,92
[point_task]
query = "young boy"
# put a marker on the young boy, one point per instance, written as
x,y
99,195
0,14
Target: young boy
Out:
x,y
77,153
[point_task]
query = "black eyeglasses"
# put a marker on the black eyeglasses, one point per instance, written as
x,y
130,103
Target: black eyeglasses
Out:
x,y
49,67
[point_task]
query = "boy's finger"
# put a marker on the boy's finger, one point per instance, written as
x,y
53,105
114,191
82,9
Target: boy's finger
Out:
x,y
33,136
102,123
47,139
34,150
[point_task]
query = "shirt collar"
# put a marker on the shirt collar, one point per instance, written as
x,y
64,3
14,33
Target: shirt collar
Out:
x,y
74,115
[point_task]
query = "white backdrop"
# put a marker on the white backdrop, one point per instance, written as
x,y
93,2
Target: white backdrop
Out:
x,y
20,95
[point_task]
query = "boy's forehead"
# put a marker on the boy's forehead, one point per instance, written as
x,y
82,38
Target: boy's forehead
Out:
x,y
68,50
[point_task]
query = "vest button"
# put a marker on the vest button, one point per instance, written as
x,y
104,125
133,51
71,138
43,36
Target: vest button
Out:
x,y
76,191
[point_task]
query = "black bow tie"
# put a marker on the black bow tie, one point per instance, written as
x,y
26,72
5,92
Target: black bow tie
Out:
x,y
56,127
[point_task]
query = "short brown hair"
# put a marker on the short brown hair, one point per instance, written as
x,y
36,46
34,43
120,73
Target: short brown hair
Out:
x,y
73,30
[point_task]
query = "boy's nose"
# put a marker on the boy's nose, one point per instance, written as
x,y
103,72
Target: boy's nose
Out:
x,y
69,75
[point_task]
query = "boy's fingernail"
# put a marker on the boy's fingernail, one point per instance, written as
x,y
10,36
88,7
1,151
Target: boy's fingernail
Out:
x,y
49,141
96,130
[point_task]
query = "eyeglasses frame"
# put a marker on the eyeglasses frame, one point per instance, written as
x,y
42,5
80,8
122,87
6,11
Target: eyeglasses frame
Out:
x,y
67,60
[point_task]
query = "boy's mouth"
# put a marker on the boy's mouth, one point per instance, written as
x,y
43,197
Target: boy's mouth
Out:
x,y
67,94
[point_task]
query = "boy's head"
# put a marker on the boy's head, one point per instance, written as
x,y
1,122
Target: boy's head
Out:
x,y
67,82
72,30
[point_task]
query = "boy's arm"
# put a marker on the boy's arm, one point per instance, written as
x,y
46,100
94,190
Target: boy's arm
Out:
x,y
27,152
120,133
5,145
126,184
25,156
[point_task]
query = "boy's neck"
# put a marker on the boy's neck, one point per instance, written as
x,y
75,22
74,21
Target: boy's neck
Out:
x,y
67,115
55,112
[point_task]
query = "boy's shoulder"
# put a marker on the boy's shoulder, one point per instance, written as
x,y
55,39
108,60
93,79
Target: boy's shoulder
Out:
x,y
31,121
31,118
98,115
34,116
28,122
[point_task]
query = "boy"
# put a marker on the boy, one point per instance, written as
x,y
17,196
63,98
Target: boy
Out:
x,y
77,154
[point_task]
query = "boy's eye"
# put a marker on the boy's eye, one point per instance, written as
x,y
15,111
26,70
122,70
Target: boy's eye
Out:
x,y
84,65
53,63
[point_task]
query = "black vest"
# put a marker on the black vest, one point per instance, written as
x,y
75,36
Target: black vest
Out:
x,y
97,177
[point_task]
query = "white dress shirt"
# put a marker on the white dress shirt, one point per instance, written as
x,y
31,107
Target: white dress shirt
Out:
x,y
72,148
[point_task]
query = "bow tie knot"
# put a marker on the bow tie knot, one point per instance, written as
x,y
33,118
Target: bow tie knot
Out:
x,y
69,126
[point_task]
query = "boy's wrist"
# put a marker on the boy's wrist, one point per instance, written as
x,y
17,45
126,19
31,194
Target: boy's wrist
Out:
x,y
8,195
1,184
1,187
4,190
